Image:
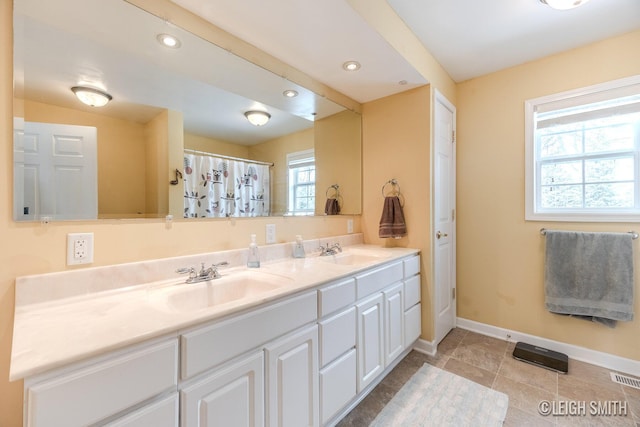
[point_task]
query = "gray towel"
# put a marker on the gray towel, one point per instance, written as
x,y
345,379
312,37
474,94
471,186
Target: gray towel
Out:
x,y
392,220
589,275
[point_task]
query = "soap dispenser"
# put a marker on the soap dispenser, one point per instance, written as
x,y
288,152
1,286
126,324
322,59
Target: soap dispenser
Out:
x,y
254,256
298,248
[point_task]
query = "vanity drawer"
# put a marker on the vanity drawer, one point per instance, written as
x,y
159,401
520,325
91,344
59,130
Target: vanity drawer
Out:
x,y
411,266
337,335
378,279
98,391
336,296
411,291
206,347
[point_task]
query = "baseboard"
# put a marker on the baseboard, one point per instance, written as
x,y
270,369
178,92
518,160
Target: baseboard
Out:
x,y
605,360
426,347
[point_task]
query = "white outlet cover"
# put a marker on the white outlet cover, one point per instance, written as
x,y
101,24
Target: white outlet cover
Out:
x,y
271,234
79,248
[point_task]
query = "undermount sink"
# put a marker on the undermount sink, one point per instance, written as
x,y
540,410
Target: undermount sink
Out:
x,y
231,288
352,258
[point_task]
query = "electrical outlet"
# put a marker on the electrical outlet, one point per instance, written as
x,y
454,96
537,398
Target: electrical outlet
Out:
x,y
271,234
349,226
79,248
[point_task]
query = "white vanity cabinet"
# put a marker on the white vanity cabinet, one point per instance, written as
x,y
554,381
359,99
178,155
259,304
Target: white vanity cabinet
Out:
x,y
412,306
98,391
370,340
292,379
223,366
231,396
337,330
299,360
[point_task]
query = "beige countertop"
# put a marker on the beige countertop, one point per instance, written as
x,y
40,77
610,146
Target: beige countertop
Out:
x,y
58,331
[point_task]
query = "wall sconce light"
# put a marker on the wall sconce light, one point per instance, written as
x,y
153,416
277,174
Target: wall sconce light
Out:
x,y
92,97
257,118
563,4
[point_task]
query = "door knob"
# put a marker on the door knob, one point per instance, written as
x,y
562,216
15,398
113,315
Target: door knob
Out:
x,y
439,234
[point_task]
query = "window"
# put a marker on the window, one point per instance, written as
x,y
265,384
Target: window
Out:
x,y
302,183
583,154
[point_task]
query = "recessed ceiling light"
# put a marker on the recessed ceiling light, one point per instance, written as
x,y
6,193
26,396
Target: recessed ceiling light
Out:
x,y
168,40
290,93
351,65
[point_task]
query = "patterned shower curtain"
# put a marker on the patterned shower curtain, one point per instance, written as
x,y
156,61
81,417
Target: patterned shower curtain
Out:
x,y
218,187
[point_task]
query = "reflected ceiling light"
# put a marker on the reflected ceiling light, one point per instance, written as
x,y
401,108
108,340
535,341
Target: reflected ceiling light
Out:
x,y
257,118
563,4
92,97
168,40
290,93
351,65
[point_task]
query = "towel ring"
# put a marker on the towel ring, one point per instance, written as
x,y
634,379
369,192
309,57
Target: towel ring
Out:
x,y
334,187
395,192
393,183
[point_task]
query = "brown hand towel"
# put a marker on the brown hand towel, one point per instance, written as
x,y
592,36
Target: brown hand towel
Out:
x,y
392,221
332,207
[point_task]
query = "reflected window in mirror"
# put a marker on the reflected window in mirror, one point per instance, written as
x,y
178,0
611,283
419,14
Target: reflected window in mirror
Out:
x,y
302,182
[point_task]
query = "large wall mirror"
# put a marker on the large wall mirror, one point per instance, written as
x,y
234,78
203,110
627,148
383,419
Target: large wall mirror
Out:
x,y
174,137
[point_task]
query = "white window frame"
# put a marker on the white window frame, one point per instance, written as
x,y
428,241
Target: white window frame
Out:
x,y
296,160
608,90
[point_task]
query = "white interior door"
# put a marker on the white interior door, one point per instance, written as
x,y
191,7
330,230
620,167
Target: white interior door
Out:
x,y
57,168
444,217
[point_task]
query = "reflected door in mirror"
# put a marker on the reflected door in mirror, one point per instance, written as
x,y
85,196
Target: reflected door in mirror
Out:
x,y
55,165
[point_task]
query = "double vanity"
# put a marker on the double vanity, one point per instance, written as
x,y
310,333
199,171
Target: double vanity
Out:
x,y
296,342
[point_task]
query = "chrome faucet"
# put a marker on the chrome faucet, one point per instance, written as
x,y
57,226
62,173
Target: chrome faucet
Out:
x,y
330,249
204,274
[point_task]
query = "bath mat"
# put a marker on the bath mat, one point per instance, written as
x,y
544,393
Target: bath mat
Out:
x,y
433,397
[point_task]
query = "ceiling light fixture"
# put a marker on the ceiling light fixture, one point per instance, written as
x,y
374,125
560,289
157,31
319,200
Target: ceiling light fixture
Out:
x,y
167,40
351,65
92,97
257,118
563,4
290,93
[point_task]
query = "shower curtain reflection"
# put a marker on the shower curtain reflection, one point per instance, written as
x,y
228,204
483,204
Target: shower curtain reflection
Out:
x,y
221,187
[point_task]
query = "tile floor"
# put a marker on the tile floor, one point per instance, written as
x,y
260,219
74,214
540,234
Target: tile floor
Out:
x,y
488,361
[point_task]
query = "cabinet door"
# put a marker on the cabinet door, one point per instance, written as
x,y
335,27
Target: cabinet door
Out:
x,y
337,385
292,379
370,340
231,396
393,322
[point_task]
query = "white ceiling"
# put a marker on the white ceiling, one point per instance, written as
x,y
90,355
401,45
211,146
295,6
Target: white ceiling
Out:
x,y
468,37
471,37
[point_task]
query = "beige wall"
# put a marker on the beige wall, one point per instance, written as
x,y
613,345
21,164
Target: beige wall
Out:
x,y
396,144
338,150
500,255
